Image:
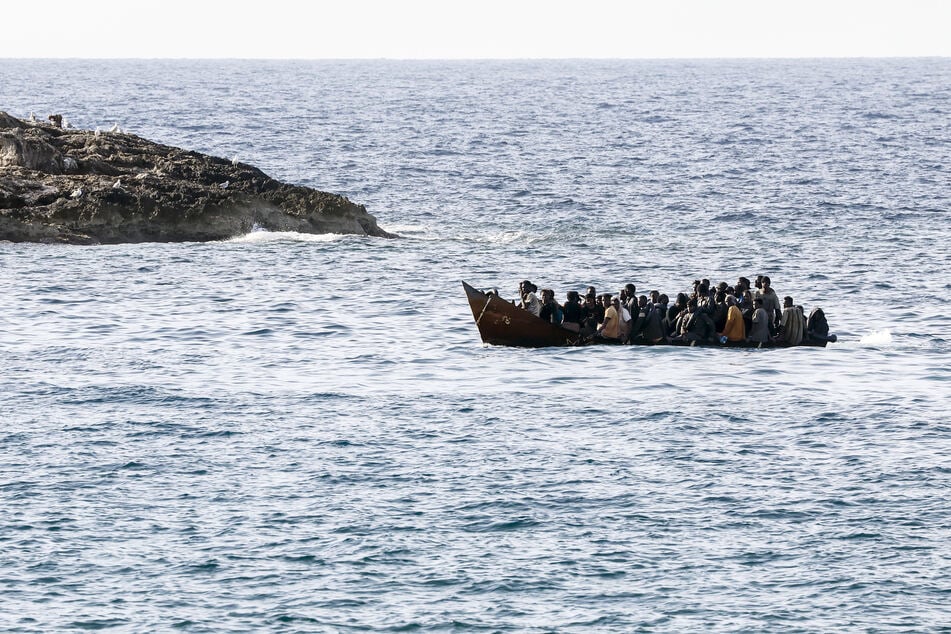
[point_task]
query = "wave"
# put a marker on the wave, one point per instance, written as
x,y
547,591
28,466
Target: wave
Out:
x,y
263,235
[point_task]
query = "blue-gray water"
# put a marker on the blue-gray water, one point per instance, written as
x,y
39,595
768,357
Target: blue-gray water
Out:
x,y
304,433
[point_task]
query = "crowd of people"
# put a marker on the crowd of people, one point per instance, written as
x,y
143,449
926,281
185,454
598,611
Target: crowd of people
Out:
x,y
724,314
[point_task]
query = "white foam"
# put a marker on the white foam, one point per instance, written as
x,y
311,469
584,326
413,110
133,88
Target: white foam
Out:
x,y
507,237
877,338
263,235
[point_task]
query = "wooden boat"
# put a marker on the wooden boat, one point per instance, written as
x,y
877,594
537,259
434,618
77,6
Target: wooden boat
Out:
x,y
502,323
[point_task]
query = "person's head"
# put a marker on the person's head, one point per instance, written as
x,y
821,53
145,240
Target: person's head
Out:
x,y
524,286
765,282
591,292
654,296
663,299
704,288
589,300
681,299
787,301
623,294
548,295
742,284
642,301
614,301
573,297
758,302
721,297
722,286
759,281
730,300
692,306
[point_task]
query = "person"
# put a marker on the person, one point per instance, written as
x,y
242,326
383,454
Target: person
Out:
x,y
592,314
629,302
638,311
530,301
696,327
817,327
745,304
651,324
734,329
719,310
675,313
770,303
626,320
572,313
550,311
611,326
759,333
792,323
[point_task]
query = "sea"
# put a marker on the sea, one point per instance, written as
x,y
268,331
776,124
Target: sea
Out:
x,y
304,433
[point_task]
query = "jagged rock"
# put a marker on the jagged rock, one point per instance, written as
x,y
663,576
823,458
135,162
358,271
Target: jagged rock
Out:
x,y
83,187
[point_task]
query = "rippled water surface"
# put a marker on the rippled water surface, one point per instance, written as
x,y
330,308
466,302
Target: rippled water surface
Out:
x,y
304,433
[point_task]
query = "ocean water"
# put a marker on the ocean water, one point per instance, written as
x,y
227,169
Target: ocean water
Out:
x,y
298,433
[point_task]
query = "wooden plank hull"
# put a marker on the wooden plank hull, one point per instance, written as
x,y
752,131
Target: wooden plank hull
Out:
x,y
501,323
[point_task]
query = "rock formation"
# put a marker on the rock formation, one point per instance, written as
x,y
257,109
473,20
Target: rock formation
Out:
x,y
82,187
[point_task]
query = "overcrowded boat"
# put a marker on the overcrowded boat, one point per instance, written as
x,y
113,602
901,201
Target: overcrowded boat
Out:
x,y
706,317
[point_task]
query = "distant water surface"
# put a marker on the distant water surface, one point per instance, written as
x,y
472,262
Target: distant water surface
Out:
x,y
286,432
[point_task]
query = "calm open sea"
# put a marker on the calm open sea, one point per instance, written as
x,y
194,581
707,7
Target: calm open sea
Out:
x,y
287,432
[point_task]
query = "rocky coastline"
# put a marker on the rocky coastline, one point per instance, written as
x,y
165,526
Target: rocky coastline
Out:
x,y
60,185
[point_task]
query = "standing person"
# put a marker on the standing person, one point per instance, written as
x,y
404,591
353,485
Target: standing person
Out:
x,y
770,303
530,301
759,333
793,323
720,310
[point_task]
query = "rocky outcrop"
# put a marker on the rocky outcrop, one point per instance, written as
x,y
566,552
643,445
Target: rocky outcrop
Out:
x,y
82,187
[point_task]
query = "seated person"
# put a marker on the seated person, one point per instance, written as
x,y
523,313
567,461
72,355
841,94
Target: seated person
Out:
x,y
611,326
530,301
572,312
592,314
792,323
652,326
696,327
734,329
817,327
759,332
551,311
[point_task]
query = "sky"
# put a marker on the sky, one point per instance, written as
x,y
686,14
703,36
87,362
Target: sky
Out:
x,y
475,29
